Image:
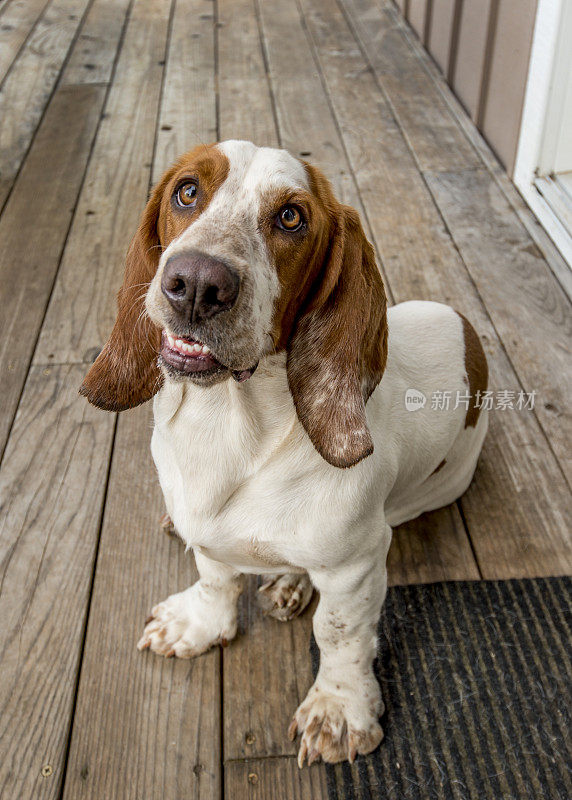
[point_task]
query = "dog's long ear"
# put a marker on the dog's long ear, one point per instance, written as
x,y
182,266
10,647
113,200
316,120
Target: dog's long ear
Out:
x,y
338,351
125,373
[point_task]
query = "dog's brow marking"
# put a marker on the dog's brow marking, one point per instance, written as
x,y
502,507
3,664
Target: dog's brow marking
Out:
x,y
254,169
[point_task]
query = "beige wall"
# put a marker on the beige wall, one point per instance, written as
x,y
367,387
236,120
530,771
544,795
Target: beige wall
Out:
x,y
440,32
470,67
483,49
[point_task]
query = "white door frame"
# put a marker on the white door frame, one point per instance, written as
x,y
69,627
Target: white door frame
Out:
x,y
542,113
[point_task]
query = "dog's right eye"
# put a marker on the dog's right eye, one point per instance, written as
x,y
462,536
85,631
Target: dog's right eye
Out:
x,y
186,195
289,219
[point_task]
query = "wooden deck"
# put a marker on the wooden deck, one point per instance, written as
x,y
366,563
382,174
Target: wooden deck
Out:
x,y
97,97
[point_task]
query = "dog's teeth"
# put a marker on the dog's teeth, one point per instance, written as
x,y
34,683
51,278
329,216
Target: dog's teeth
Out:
x,y
189,348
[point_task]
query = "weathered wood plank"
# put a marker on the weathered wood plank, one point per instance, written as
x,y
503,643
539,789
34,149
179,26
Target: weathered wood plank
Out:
x,y
430,129
511,534
93,55
165,714
527,306
15,25
244,92
267,673
433,547
305,122
188,106
145,726
33,230
82,307
51,489
29,85
274,778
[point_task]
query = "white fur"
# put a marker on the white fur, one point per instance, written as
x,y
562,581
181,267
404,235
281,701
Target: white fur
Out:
x,y
246,490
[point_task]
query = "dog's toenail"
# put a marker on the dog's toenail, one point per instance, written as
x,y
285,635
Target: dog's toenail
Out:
x,y
292,730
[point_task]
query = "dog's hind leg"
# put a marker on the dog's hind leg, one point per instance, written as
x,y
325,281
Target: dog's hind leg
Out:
x,y
285,596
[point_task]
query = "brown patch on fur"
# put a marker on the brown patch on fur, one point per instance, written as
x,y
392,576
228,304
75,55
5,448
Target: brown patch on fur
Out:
x,y
298,256
439,466
126,373
476,368
332,313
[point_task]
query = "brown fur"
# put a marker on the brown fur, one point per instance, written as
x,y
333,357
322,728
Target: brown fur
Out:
x,y
338,347
476,368
126,373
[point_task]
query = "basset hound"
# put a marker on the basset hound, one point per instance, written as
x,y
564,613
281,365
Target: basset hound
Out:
x,y
253,311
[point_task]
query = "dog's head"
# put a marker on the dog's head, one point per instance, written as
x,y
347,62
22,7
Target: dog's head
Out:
x,y
243,251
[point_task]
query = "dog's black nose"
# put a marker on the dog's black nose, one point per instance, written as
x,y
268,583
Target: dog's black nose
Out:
x,y
199,286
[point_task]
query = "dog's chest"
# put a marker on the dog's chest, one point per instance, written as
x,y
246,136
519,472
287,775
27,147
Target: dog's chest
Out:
x,y
223,485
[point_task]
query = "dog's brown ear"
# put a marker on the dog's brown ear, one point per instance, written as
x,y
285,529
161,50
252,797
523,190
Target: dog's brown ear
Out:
x,y
338,351
125,373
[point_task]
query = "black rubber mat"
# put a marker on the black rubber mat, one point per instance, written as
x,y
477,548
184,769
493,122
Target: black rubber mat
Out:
x,y
476,680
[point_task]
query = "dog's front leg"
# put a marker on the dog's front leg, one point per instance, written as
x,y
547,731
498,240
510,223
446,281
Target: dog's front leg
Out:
x,y
190,622
340,715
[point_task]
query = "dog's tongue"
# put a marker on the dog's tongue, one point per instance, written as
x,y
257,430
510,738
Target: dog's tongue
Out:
x,y
241,375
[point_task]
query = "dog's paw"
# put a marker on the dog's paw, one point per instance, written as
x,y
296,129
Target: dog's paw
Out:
x,y
166,525
338,724
285,596
186,624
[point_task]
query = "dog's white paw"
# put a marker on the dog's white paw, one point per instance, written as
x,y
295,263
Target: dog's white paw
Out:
x,y
189,623
338,723
285,596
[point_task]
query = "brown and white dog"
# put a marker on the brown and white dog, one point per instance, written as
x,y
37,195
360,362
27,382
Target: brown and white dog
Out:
x,y
253,309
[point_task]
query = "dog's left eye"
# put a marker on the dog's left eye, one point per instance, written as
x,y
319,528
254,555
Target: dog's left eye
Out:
x,y
289,218
187,195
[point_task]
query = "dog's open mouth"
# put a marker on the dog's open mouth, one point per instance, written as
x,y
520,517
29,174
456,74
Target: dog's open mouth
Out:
x,y
187,355
195,358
